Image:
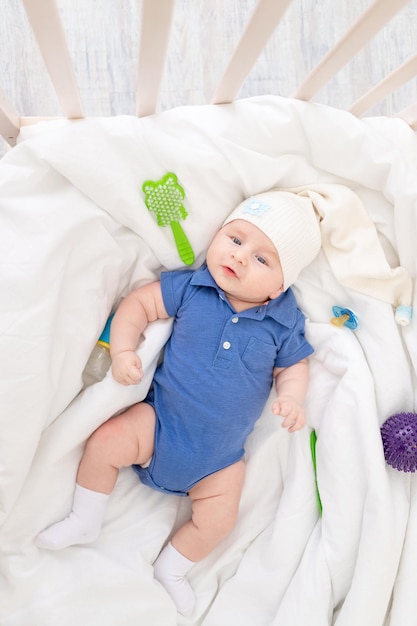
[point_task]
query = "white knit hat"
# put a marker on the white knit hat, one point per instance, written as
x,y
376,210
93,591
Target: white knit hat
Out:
x,y
301,219
289,220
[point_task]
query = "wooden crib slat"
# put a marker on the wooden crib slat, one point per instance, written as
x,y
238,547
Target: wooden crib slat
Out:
x,y
371,21
47,27
9,120
391,82
254,39
154,37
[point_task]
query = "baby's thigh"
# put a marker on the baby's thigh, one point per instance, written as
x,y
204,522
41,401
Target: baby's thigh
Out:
x,y
216,498
130,435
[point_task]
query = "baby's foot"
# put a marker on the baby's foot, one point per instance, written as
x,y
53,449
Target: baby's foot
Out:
x,y
69,532
169,570
82,525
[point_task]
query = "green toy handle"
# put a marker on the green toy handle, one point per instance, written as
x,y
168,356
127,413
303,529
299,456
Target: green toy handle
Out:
x,y
183,245
313,441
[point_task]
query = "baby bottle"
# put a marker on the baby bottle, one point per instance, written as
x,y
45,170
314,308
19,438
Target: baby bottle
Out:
x,y
100,359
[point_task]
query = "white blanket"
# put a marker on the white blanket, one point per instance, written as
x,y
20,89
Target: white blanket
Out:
x,y
76,236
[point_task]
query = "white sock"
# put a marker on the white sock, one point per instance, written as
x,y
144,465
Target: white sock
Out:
x,y
170,569
82,525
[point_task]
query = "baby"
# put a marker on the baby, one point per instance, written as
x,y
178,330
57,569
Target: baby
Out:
x,y
237,331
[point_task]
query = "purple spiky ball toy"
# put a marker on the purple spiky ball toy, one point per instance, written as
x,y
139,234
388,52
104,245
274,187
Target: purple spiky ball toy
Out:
x,y
399,438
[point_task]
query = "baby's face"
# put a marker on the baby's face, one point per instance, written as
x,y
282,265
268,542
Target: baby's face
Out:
x,y
245,264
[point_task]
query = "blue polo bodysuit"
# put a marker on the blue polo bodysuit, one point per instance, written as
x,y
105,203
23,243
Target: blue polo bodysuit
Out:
x,y
215,378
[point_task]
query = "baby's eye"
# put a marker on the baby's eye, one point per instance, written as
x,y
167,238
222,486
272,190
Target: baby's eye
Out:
x,y
261,259
236,241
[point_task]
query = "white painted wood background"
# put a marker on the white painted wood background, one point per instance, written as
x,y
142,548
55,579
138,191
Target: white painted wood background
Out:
x,y
103,37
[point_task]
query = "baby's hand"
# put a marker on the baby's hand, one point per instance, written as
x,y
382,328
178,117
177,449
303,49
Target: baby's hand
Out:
x,y
292,412
127,368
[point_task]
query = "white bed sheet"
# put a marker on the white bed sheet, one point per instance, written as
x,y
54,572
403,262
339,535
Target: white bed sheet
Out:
x,y
75,238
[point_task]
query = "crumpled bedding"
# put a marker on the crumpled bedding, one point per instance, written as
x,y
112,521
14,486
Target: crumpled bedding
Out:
x,y
76,236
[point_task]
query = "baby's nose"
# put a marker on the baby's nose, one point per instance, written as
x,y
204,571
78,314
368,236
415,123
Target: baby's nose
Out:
x,y
238,256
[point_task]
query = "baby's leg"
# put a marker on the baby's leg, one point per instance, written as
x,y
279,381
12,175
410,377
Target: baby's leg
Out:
x,y
120,442
215,506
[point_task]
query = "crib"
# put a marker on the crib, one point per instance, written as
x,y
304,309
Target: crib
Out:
x,y
77,237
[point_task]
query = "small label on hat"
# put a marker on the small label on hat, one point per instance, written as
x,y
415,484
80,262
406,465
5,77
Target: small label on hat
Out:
x,y
255,207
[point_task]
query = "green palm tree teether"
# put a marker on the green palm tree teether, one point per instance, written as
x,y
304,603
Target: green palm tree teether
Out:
x,y
164,197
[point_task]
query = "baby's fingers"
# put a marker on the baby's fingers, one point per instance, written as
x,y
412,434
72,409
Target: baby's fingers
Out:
x,y
298,423
289,420
293,415
134,374
284,408
130,373
127,369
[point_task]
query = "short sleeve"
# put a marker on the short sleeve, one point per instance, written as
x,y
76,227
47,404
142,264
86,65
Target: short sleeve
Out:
x,y
295,346
174,286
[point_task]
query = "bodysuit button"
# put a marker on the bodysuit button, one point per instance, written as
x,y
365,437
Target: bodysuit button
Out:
x,y
226,345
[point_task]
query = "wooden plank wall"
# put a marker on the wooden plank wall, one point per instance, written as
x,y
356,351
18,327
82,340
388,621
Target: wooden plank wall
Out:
x,y
103,37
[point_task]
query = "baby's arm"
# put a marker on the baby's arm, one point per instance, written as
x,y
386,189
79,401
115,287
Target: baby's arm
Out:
x,y
291,386
141,306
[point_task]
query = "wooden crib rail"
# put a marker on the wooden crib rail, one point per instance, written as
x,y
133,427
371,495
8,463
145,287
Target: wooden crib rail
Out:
x,y
395,79
155,30
10,120
156,25
47,27
259,29
360,33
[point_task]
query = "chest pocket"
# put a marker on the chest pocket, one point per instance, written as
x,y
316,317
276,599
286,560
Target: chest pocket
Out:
x,y
259,355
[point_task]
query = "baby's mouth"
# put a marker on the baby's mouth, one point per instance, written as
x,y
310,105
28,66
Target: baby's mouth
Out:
x,y
229,271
